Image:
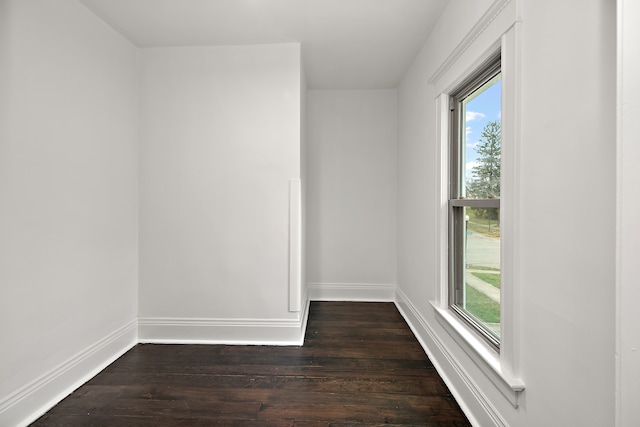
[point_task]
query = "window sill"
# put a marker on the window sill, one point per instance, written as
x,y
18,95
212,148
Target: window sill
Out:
x,y
486,358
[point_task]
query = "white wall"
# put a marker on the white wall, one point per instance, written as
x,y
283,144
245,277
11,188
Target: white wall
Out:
x,y
222,136
351,215
567,221
220,140
628,249
68,185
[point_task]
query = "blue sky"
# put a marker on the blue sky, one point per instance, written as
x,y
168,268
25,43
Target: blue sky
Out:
x,y
482,109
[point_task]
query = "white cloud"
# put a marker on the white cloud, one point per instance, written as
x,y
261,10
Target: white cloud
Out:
x,y
474,115
468,130
471,165
472,144
500,114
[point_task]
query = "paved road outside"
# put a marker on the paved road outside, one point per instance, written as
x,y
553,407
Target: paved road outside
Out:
x,y
483,250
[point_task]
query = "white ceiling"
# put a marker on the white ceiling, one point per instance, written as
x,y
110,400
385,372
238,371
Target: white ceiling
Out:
x,y
346,44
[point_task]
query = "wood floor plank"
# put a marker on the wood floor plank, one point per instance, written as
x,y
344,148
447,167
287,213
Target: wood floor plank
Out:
x,y
360,365
418,385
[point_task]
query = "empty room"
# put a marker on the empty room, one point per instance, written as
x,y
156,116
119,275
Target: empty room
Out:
x,y
319,212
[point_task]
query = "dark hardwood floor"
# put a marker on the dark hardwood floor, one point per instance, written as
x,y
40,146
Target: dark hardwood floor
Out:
x,y
360,365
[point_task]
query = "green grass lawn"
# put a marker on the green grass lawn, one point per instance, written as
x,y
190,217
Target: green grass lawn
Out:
x,y
481,306
491,278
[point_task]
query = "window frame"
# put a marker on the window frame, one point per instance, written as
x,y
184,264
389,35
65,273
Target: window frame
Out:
x,y
501,368
457,203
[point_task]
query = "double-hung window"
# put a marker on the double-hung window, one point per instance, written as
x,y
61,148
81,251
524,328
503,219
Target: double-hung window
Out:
x,y
474,200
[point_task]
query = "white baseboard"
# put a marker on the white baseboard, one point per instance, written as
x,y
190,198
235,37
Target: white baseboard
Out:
x,y
174,330
352,292
28,403
474,403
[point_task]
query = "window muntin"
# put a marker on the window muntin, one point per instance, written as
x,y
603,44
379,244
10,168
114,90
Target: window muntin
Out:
x,y
474,201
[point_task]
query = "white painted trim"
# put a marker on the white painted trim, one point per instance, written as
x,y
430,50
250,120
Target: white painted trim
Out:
x,y
627,361
486,19
295,245
31,401
510,209
500,368
352,292
486,358
442,202
462,386
620,406
304,314
180,330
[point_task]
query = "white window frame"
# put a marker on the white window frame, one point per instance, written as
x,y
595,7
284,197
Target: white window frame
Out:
x,y
499,365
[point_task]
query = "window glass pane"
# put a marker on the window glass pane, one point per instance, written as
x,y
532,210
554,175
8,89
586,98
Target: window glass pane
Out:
x,y
474,238
482,266
480,137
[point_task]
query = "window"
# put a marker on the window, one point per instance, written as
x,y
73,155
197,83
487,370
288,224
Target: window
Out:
x,y
491,92
474,200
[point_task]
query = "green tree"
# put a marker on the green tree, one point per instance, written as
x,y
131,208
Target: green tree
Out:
x,y
485,176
